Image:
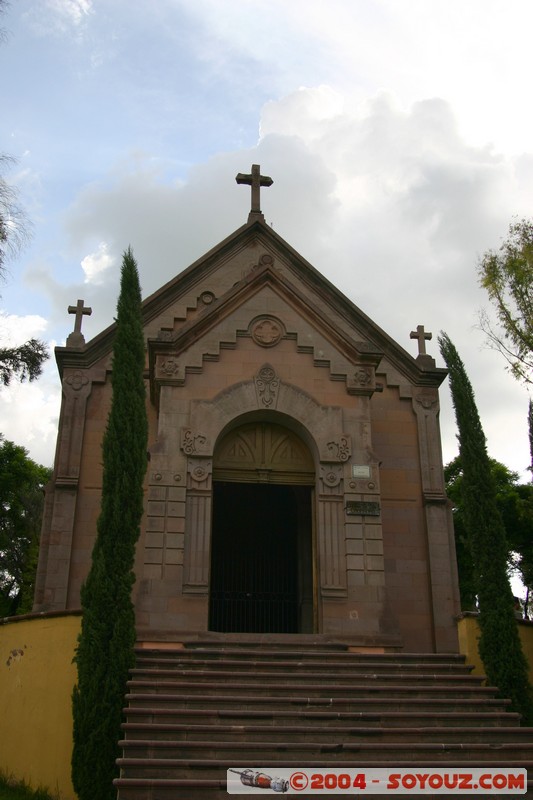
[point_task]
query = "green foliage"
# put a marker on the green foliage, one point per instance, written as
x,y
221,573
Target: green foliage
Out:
x,y
11,789
507,275
499,643
515,504
453,475
105,651
21,504
530,430
24,362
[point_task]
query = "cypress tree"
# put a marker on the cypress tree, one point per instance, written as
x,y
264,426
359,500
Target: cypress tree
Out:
x,y
530,429
499,643
105,651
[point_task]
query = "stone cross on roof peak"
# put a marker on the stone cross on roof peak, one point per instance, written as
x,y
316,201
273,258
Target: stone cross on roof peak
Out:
x,y
422,337
255,180
76,338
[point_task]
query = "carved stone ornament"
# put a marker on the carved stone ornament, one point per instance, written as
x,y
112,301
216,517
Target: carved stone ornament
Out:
x,y
331,476
168,367
362,381
362,377
165,336
267,331
199,470
267,385
207,298
193,442
341,450
76,381
426,400
265,260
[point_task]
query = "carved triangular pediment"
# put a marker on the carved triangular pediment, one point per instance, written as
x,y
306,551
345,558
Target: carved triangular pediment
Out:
x,y
191,304
233,317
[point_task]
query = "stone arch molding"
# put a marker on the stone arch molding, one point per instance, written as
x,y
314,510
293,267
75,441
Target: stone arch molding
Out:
x,y
321,429
322,425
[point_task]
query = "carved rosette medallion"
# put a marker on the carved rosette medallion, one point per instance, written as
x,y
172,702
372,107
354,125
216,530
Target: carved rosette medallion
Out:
x,y
207,298
331,475
267,331
193,442
267,386
76,381
340,450
167,367
361,381
200,471
265,260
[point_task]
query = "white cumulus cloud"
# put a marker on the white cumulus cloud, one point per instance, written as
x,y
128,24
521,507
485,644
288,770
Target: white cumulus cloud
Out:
x,y
15,329
95,264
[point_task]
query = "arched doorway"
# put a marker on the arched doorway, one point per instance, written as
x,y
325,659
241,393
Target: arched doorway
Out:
x,y
262,554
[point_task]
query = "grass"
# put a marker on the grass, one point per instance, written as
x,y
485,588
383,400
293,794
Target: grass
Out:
x,y
16,790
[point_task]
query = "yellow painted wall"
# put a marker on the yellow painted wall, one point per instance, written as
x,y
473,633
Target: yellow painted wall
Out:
x,y
468,631
37,676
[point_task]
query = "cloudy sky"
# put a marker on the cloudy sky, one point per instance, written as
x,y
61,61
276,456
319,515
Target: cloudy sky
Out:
x,y
398,135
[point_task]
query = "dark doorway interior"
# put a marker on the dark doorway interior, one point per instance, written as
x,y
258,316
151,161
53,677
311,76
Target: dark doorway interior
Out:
x,y
261,559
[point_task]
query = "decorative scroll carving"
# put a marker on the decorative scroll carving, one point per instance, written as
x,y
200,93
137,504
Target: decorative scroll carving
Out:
x,y
341,450
267,385
207,298
193,442
165,336
267,331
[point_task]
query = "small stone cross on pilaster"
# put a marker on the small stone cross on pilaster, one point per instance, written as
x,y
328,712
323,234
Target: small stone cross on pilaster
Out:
x,y
422,337
255,180
76,338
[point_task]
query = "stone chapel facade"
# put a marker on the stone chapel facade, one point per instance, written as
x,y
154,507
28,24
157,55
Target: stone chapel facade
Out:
x,y
295,481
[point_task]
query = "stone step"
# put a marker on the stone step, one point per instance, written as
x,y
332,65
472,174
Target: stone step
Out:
x,y
194,711
350,663
284,646
281,717
198,732
308,689
400,702
259,672
215,789
170,759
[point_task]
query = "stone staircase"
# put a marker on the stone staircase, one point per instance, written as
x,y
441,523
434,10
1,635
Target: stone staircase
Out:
x,y
196,710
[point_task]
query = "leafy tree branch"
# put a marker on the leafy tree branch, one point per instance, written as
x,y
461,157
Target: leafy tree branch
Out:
x,y
507,276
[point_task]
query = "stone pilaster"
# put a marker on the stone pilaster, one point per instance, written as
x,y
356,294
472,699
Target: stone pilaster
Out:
x,y
441,546
330,530
53,571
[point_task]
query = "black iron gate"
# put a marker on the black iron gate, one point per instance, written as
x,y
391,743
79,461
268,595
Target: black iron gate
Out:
x,y
254,569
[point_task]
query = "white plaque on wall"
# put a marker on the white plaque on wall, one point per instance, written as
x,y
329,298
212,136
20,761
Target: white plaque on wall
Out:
x,y
360,471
